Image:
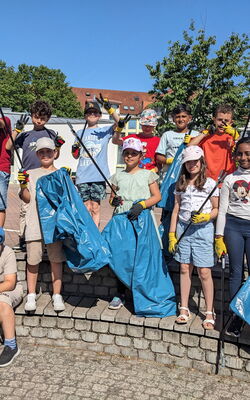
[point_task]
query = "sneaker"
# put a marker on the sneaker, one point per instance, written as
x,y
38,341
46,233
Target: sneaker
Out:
x,y
8,356
116,303
235,327
58,303
30,304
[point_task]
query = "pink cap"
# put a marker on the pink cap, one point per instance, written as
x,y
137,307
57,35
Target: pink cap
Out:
x,y
192,153
132,143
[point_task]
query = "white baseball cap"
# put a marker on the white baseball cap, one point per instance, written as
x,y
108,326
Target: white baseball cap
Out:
x,y
45,143
192,153
132,143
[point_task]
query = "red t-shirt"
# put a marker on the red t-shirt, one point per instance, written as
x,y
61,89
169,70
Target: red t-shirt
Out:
x,y
150,145
218,154
5,155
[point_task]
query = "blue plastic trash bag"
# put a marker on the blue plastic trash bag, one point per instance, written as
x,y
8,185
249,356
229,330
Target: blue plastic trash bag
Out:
x,y
240,304
137,260
63,216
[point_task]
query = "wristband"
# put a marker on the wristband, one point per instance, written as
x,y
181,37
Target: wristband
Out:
x,y
143,204
23,185
18,130
117,129
111,110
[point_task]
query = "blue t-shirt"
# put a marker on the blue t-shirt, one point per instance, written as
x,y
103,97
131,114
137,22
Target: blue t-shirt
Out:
x,y
27,142
96,141
170,142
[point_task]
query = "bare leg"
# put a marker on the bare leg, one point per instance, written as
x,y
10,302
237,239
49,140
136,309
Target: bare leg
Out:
x,y
205,276
96,208
32,274
185,285
56,275
7,320
2,217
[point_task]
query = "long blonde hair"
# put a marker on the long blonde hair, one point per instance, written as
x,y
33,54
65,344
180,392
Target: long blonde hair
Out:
x,y
184,177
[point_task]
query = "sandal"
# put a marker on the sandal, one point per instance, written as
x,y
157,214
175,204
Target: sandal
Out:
x,y
208,322
183,318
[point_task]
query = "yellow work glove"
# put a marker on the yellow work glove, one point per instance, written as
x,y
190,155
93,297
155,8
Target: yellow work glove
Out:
x,y
232,132
220,247
205,131
68,169
104,101
169,160
172,242
23,178
187,138
202,217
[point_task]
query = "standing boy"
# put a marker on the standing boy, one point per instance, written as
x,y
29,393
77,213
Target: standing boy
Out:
x,y
5,162
11,294
89,181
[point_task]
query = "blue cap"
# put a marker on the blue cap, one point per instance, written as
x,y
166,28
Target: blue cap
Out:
x,y
2,235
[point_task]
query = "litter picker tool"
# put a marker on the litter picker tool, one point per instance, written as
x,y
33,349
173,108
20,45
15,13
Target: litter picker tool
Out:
x,y
245,129
7,133
90,156
220,350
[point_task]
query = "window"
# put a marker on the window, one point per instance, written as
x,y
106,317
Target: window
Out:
x,y
87,94
132,124
136,98
131,107
120,160
125,107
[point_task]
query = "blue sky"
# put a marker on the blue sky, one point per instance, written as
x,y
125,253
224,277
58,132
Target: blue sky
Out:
x,y
101,44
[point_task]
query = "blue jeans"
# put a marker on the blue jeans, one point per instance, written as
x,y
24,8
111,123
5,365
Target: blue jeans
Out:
x,y
237,240
4,183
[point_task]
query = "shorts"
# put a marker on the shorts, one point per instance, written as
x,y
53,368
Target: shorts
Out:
x,y
197,246
13,297
4,183
95,191
35,252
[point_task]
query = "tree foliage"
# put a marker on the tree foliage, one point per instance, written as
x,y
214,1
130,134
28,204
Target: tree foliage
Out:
x,y
20,88
193,69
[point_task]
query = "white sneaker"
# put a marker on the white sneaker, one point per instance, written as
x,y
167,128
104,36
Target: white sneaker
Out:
x,y
30,304
58,303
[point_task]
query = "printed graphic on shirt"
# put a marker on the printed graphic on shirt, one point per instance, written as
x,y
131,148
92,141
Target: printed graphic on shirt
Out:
x,y
32,146
145,161
242,190
93,148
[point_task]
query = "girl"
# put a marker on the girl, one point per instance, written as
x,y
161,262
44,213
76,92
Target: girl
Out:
x,y
136,254
233,224
196,247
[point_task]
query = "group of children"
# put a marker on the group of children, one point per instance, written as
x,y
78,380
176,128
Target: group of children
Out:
x,y
205,156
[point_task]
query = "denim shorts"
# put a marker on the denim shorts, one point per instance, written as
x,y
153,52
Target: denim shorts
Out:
x,y
197,246
95,191
4,183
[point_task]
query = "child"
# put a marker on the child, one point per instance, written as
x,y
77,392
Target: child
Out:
x,y
89,181
218,143
5,162
233,224
11,294
40,115
148,122
196,247
171,140
46,153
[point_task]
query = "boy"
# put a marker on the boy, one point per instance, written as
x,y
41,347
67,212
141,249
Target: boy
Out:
x,y
40,115
148,121
5,162
171,140
11,294
218,143
46,153
89,181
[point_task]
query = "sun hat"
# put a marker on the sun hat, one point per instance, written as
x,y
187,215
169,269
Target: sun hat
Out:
x,y
2,235
192,153
132,143
45,143
148,117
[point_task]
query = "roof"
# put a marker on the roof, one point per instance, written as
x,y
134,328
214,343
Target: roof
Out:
x,y
129,102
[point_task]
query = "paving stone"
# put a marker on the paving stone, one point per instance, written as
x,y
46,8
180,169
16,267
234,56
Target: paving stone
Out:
x,y
118,329
167,323
98,326
106,339
71,334
176,350
48,322
232,349
196,326
196,353
95,311
65,323
185,327
209,344
30,321
83,307
159,347
141,343
189,340
234,362
129,352
42,303
49,310
71,303
123,341
89,336
135,331
146,355
152,322
82,325
54,333
123,315
39,332
108,315
153,334
112,349
135,320
171,337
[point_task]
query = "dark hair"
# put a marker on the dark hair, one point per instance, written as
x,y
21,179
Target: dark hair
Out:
x,y
41,108
184,177
224,108
181,108
241,141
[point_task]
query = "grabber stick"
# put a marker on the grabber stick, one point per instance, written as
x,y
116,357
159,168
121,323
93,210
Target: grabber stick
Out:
x,y
245,129
7,133
220,360
90,156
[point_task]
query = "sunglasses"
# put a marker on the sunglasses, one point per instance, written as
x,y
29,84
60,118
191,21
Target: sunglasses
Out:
x,y
95,113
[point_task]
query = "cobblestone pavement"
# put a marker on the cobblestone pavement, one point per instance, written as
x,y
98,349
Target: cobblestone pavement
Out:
x,y
61,374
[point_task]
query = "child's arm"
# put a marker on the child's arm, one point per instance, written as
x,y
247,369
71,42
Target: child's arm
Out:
x,y
9,144
197,139
23,179
171,235
9,283
155,195
116,138
215,207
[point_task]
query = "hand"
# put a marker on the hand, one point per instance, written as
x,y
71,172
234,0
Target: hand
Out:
x,y
136,210
232,131
220,247
76,150
202,217
122,122
21,123
169,160
106,104
23,178
205,132
187,138
59,141
115,201
68,169
172,241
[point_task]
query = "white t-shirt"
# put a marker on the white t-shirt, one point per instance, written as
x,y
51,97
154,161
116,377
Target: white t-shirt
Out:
x,y
192,199
171,141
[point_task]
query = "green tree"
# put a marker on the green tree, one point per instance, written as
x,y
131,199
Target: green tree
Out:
x,y
18,89
192,64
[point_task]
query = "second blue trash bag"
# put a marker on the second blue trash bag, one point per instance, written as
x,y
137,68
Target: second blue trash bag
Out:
x,y
240,304
63,216
137,260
